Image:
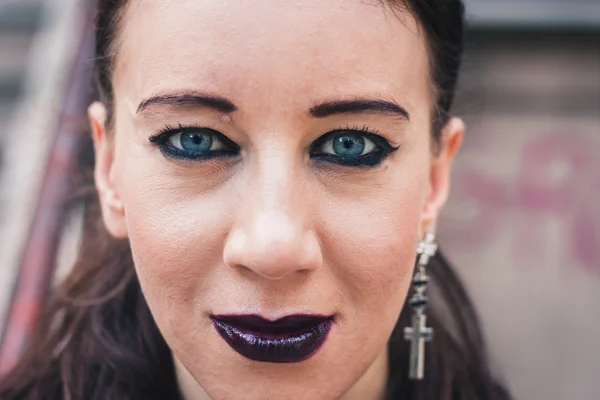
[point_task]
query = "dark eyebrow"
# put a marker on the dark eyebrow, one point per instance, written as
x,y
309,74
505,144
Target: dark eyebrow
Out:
x,y
218,103
359,105
321,110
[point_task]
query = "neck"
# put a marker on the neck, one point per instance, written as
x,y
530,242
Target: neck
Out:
x,y
371,385
188,386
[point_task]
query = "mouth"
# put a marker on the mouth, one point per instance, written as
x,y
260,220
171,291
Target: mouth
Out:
x,y
290,339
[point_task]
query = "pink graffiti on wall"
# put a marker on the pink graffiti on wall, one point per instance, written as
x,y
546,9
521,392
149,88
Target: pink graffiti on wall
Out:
x,y
558,177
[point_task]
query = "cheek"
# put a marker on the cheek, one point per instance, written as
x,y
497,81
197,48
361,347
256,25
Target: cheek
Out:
x,y
373,251
370,246
176,232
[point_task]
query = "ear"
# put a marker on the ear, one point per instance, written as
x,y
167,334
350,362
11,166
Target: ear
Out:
x,y
112,208
439,177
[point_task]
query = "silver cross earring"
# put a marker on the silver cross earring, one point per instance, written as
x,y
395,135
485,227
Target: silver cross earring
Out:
x,y
419,333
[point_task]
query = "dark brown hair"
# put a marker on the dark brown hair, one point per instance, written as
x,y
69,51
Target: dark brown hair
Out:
x,y
97,339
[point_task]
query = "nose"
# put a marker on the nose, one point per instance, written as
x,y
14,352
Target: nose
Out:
x,y
273,236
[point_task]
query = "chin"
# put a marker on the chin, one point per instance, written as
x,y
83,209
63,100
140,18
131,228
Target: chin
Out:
x,y
224,374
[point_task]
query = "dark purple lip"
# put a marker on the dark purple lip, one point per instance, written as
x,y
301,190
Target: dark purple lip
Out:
x,y
290,339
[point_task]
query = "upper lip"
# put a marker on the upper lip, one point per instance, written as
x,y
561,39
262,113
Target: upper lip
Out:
x,y
284,325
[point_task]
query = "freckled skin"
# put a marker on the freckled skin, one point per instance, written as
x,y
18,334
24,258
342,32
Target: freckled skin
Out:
x,y
271,232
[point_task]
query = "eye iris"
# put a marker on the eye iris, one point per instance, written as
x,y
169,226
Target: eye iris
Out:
x,y
349,145
196,141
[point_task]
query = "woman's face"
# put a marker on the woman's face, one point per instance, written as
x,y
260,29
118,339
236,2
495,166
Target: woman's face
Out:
x,y
292,174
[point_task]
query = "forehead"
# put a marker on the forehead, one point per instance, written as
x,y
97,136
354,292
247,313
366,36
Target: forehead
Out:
x,y
319,48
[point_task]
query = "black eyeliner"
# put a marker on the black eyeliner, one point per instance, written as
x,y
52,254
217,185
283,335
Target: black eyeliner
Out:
x,y
230,150
372,159
365,161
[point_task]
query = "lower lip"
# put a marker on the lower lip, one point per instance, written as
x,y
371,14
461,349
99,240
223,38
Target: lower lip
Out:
x,y
278,348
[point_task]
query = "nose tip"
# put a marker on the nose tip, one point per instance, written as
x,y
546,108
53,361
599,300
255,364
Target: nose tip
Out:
x,y
273,247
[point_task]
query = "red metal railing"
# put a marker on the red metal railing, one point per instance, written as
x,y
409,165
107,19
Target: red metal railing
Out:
x,y
38,258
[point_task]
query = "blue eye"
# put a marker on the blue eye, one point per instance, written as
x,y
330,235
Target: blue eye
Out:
x,y
195,143
348,145
355,147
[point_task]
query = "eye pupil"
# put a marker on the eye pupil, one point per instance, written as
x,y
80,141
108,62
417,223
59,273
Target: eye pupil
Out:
x,y
196,141
349,145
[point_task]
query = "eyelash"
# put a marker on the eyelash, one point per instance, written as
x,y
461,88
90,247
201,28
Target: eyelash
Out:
x,y
162,137
382,148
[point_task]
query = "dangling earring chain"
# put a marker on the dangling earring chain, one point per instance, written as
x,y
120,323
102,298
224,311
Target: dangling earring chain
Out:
x,y
418,333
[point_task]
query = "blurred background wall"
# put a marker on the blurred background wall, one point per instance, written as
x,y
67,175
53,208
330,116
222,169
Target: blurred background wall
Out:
x,y
523,222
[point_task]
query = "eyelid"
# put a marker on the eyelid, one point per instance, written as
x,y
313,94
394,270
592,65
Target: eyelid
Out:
x,y
167,131
368,133
229,149
163,135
